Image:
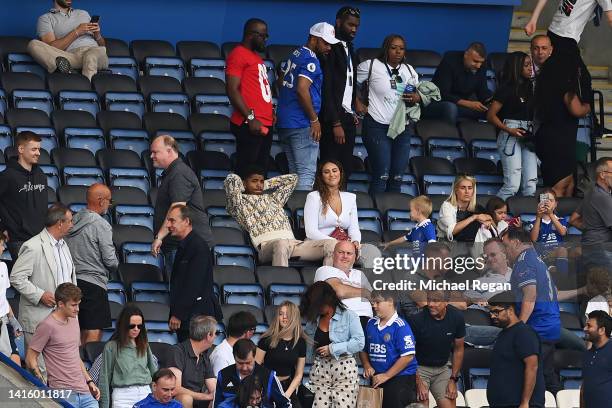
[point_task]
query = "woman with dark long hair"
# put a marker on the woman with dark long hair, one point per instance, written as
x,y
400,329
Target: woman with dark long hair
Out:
x,y
512,113
561,98
330,212
128,363
337,336
388,80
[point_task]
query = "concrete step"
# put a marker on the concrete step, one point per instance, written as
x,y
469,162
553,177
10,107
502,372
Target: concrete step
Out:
x,y
520,19
514,46
517,34
599,72
608,108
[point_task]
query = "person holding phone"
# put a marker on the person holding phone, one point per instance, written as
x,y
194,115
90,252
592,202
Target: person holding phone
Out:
x,y
69,39
512,113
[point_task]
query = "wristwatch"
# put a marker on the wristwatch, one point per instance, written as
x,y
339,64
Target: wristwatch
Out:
x,y
251,116
454,378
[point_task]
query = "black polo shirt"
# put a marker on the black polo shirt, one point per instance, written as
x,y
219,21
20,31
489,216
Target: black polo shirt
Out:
x,y
180,184
505,385
597,376
435,338
195,370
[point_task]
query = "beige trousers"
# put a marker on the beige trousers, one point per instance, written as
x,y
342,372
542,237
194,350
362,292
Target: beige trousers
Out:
x,y
279,251
88,59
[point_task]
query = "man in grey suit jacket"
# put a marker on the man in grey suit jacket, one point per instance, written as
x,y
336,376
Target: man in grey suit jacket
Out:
x,y
43,264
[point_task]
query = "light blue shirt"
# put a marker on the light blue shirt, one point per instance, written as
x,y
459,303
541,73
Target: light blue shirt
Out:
x,y
345,334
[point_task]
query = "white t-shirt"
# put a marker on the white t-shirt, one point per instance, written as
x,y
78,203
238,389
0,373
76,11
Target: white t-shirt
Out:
x,y
572,15
347,98
4,285
382,98
356,279
222,356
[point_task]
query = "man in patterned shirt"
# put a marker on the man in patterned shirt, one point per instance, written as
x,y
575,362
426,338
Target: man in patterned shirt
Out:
x,y
257,205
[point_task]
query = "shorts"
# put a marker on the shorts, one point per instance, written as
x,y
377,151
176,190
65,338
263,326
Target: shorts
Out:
x,y
94,310
436,379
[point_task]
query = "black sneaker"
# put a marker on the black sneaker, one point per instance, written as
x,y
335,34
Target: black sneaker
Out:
x,y
63,65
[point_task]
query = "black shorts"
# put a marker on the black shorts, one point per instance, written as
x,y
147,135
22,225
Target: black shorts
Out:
x,y
399,391
94,310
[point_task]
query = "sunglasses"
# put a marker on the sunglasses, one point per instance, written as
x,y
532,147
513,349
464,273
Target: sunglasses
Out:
x,y
350,11
134,326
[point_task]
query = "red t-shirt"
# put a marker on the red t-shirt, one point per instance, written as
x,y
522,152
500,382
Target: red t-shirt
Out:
x,y
254,86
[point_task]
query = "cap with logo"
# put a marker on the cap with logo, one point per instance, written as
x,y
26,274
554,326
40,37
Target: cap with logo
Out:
x,y
325,31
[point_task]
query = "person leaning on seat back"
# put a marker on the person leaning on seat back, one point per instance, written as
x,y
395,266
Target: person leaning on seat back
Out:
x,y
69,38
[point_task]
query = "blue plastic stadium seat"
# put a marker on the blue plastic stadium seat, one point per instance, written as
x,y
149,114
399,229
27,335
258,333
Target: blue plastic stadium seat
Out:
x,y
3,103
489,184
165,66
47,135
123,66
82,176
138,252
129,139
438,184
224,142
425,73
6,138
360,151
134,215
485,149
479,377
416,146
217,104
359,181
116,292
126,102
185,139
278,293
170,102
208,67
79,100
91,139
491,81
370,220
27,99
234,255
213,179
24,63
150,292
448,148
409,185
162,337
132,177
571,378
53,179
243,294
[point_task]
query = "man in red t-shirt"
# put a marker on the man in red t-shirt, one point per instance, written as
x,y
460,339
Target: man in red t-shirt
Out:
x,y
250,94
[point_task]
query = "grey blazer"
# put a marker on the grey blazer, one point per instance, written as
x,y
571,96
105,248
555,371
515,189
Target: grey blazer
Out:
x,y
33,274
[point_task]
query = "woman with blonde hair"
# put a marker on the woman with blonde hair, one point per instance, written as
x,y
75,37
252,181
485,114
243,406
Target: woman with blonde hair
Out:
x,y
282,348
460,215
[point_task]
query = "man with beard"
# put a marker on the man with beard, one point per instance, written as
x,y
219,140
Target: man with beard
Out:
x,y
69,38
91,245
517,378
249,92
596,367
23,193
339,103
298,125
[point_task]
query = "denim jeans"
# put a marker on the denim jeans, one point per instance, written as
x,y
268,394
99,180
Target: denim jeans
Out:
x,y
450,112
481,336
388,157
520,164
301,153
80,400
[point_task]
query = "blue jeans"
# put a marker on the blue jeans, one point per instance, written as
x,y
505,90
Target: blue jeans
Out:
x,y
450,112
78,400
302,153
482,336
520,164
388,157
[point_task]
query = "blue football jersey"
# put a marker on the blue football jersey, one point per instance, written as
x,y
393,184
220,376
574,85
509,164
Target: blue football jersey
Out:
x,y
301,63
420,235
385,346
530,270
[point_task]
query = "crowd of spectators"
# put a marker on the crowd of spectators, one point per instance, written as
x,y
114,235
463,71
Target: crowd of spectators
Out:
x,y
410,342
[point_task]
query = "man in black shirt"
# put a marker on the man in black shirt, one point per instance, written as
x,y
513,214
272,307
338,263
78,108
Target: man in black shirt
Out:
x,y
461,77
517,378
338,102
438,328
597,362
23,193
191,283
179,185
190,363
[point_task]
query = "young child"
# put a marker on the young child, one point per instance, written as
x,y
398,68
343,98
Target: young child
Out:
x,y
10,327
424,232
548,229
498,210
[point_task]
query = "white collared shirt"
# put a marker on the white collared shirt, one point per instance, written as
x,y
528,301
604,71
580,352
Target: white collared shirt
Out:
x,y
347,98
356,279
63,264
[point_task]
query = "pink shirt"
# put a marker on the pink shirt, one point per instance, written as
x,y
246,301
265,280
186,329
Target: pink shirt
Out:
x,y
59,344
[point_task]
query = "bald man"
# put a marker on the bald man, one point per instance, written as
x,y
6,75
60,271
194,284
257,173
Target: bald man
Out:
x,y
91,244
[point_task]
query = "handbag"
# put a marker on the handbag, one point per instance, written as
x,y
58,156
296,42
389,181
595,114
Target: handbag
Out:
x,y
365,86
340,234
369,397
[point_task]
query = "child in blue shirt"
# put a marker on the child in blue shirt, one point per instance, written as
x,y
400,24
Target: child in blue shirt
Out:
x,y
548,230
424,232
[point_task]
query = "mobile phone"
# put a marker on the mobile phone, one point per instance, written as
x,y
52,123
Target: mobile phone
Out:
x,y
543,198
95,19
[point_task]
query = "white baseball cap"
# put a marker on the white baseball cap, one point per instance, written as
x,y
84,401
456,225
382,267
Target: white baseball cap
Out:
x,y
325,31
